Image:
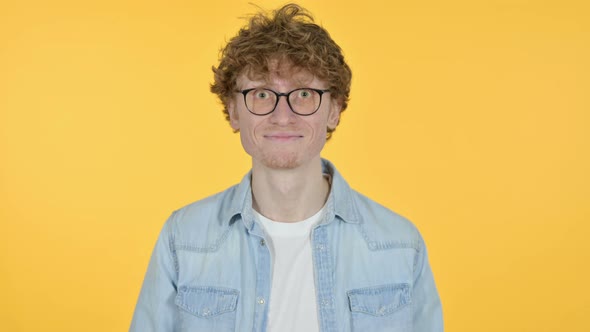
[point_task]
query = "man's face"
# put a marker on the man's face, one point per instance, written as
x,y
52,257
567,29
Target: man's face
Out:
x,y
283,139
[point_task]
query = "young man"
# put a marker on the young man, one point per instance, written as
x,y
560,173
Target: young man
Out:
x,y
292,247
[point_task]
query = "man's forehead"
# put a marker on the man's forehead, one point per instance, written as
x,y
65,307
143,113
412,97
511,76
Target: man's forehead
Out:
x,y
296,75
281,73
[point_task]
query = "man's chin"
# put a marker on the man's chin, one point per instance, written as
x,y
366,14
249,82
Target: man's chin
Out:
x,y
286,161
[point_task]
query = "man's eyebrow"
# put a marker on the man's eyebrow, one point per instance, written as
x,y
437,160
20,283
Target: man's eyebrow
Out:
x,y
251,84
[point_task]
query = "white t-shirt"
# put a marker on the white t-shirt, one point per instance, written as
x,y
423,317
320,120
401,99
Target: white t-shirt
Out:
x,y
293,304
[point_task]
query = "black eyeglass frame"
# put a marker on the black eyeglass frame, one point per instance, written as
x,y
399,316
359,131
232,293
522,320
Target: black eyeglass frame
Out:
x,y
286,94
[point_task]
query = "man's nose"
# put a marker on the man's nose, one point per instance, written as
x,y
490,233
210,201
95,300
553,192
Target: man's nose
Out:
x,y
283,112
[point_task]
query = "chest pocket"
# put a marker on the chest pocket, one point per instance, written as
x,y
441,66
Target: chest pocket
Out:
x,y
207,308
381,308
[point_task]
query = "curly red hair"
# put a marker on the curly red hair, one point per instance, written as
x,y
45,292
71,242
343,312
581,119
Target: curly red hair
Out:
x,y
289,36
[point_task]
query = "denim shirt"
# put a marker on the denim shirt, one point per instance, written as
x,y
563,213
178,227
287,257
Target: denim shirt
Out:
x,y
211,268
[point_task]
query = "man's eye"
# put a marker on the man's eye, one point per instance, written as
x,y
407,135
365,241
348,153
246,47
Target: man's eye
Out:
x,y
304,93
261,94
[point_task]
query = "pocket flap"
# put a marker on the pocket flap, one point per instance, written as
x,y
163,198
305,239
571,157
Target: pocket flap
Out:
x,y
207,301
379,300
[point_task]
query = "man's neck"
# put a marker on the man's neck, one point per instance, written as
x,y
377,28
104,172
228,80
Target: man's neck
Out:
x,y
289,195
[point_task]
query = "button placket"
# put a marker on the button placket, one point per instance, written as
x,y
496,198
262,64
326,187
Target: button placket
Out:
x,y
263,273
323,266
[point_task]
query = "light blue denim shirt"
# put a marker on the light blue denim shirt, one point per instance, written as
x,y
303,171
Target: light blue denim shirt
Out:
x,y
211,268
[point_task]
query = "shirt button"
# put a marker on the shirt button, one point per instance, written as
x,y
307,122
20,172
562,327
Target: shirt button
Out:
x,y
262,242
260,300
206,312
320,247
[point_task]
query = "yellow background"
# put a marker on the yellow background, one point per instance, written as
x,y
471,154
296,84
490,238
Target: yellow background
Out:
x,y
469,117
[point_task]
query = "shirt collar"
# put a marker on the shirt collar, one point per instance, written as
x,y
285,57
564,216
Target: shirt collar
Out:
x,y
340,201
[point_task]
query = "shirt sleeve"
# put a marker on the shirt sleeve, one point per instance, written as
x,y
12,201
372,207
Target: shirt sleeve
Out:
x,y
427,305
155,309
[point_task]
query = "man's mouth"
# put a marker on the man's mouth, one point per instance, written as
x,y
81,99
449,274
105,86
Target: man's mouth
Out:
x,y
283,137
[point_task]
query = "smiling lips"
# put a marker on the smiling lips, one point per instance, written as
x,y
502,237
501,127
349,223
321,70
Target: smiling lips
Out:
x,y
283,137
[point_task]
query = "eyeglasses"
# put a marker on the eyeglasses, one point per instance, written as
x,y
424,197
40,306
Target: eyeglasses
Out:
x,y
304,101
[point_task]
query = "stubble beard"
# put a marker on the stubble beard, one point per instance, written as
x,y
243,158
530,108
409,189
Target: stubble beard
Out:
x,y
280,160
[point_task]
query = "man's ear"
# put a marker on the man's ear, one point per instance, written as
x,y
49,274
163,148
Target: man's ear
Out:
x,y
233,115
334,115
